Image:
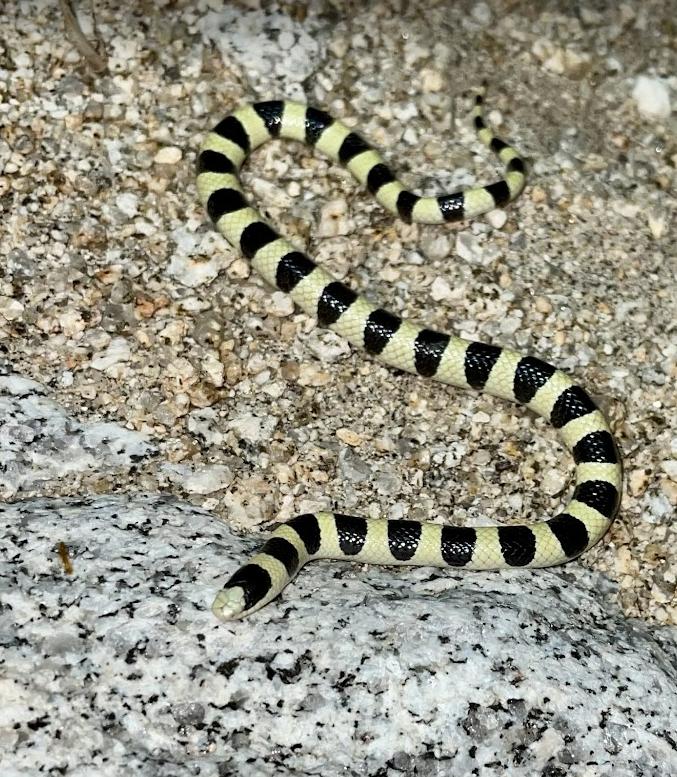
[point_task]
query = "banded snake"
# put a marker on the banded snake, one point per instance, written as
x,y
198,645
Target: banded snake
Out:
x,y
498,371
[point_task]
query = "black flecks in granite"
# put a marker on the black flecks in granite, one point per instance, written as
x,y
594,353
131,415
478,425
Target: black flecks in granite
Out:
x,y
522,673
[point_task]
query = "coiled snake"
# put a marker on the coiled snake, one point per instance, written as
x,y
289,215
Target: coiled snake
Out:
x,y
406,346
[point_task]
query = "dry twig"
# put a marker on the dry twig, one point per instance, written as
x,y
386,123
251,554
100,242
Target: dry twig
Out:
x,y
74,32
65,558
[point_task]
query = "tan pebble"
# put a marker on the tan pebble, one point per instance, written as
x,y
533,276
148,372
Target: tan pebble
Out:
x,y
624,562
182,369
232,370
504,280
333,219
143,338
560,338
553,481
431,80
512,449
658,595
257,363
166,413
284,473
289,370
482,458
669,488
46,324
542,304
637,481
203,395
389,274
657,224
288,331
255,485
239,269
349,437
109,275
144,307
620,141
169,155
311,376
157,185
654,551
639,354
440,289
538,194
339,47
174,332
102,486
628,210
71,323
89,391
73,122
213,369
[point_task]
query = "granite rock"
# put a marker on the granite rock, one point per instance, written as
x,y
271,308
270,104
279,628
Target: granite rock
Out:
x,y
268,44
41,441
120,668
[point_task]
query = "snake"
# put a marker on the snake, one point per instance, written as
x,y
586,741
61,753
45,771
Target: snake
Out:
x,y
401,344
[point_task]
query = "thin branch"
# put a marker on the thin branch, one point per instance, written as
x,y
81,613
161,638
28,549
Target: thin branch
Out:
x,y
74,32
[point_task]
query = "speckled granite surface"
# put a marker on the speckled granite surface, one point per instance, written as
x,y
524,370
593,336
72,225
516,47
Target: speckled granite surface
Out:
x,y
119,668
40,441
139,354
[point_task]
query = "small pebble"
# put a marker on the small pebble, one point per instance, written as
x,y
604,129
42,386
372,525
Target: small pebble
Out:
x,y
553,481
652,97
657,224
435,246
168,155
253,428
431,80
496,218
333,219
118,351
201,479
638,480
281,304
468,247
542,304
440,289
349,437
10,309
128,204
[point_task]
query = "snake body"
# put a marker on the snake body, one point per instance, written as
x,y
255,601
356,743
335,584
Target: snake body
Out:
x,y
498,371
